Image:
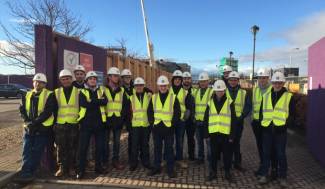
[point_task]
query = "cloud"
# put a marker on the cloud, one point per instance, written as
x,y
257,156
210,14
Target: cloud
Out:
x,y
308,30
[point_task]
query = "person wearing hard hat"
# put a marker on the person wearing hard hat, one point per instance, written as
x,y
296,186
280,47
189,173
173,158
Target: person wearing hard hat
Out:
x,y
66,126
37,113
182,96
226,71
263,86
92,118
242,107
117,114
164,114
276,115
139,125
190,127
126,77
220,117
80,74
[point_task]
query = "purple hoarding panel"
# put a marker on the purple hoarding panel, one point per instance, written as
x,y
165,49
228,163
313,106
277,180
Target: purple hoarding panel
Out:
x,y
316,65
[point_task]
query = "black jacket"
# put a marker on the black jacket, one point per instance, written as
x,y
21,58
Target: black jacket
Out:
x,y
275,97
247,106
93,117
161,128
219,104
79,86
32,115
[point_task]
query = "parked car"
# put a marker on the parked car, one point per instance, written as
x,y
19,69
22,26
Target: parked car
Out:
x,y
13,90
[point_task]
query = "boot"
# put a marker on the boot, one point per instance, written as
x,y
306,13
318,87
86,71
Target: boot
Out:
x,y
228,176
262,180
154,171
183,164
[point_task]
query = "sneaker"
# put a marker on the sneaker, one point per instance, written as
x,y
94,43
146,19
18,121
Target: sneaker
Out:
x,y
262,180
183,164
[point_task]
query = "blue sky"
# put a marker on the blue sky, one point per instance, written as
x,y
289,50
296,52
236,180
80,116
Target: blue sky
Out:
x,y
201,32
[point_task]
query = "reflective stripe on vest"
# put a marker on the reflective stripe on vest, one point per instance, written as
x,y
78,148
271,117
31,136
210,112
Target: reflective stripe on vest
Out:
x,y
164,112
114,107
181,95
257,100
68,112
220,123
139,110
239,102
41,105
83,110
279,114
201,104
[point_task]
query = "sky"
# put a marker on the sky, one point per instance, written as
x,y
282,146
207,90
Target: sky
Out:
x,y
201,32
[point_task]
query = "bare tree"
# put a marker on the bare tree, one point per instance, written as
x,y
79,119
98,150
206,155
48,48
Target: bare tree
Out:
x,y
122,43
20,36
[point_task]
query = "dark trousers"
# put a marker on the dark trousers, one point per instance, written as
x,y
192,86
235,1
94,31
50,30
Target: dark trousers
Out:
x,y
274,144
190,131
179,136
66,140
116,144
220,140
84,139
33,148
140,145
236,145
168,142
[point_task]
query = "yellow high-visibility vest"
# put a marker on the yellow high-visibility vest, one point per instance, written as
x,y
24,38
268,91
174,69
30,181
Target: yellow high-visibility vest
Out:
x,y
41,105
83,110
220,122
164,112
181,95
139,110
239,102
201,104
68,112
257,100
278,114
114,107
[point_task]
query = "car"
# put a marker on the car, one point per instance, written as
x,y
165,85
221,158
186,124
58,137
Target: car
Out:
x,y
13,90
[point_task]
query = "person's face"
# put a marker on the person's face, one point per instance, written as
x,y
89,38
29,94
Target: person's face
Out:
x,y
233,82
39,85
226,74
204,84
114,78
66,81
163,88
263,81
277,86
220,93
177,81
139,88
92,81
80,76
126,80
187,81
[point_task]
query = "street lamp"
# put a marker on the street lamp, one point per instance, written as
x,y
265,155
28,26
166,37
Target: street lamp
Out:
x,y
254,30
230,55
290,63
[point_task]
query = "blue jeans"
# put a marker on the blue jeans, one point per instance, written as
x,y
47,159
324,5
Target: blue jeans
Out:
x,y
179,135
168,142
200,135
33,148
277,141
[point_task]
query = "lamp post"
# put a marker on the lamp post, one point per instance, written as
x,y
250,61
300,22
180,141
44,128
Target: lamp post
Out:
x,y
290,63
254,30
230,56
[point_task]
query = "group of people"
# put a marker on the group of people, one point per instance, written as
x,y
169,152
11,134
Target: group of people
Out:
x,y
211,116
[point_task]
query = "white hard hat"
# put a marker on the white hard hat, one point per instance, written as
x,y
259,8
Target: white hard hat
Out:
x,y
219,85
177,73
162,80
126,72
234,74
263,73
227,68
204,76
91,74
187,74
113,71
64,73
79,68
278,77
40,77
139,81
